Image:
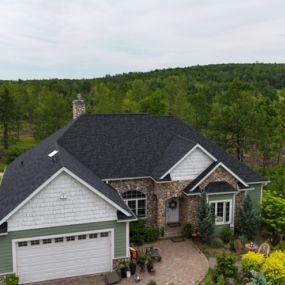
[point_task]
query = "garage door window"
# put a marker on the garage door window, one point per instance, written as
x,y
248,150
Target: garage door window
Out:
x,y
35,242
70,238
57,240
93,236
46,241
104,234
22,244
81,237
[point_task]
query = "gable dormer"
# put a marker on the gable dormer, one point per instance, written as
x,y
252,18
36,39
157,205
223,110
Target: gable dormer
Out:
x,y
193,163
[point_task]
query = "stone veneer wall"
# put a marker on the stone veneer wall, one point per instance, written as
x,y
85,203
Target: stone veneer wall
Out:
x,y
190,209
220,174
146,186
164,192
158,195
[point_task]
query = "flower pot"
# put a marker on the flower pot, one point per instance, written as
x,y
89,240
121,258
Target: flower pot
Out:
x,y
124,272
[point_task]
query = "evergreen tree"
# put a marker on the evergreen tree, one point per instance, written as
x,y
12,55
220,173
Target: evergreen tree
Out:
x,y
247,220
8,115
206,219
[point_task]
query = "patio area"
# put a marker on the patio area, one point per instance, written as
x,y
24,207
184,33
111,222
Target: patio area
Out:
x,y
182,264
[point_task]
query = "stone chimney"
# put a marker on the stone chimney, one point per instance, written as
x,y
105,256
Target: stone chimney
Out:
x,y
78,107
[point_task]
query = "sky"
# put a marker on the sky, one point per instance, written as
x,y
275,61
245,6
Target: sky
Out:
x,y
92,38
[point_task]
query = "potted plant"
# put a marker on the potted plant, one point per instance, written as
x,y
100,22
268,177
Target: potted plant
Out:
x,y
149,265
133,268
141,262
123,269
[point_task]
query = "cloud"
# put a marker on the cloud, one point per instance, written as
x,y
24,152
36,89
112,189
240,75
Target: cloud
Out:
x,y
89,38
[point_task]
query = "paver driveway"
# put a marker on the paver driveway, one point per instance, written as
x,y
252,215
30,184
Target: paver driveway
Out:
x,y
182,264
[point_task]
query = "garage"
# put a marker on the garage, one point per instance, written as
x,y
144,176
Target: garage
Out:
x,y
58,257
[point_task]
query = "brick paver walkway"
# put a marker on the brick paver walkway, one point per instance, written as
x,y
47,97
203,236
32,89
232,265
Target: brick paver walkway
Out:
x,y
182,264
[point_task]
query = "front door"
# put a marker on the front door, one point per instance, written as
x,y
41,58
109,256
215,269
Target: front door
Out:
x,y
172,211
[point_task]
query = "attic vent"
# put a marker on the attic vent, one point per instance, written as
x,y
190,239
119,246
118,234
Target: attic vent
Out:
x,y
53,153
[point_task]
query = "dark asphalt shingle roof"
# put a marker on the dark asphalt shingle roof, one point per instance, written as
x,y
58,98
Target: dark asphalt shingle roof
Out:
x,y
97,147
219,187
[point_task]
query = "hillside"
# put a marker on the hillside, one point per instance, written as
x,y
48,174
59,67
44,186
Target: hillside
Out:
x,y
240,106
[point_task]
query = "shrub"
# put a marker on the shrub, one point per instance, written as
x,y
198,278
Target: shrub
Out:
x,y
13,279
187,230
152,282
221,280
140,233
259,279
226,235
226,266
206,219
281,245
216,243
274,268
248,220
252,261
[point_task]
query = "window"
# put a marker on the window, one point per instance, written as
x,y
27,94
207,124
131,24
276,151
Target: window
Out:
x,y
81,237
222,211
35,242
57,240
46,241
72,238
104,234
93,236
22,243
136,201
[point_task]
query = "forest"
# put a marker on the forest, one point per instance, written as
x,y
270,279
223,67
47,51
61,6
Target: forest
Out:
x,y
239,106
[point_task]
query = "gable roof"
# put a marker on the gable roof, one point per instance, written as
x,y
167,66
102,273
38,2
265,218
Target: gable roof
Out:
x,y
30,170
176,150
96,147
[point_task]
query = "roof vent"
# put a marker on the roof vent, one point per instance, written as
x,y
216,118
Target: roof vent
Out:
x,y
53,153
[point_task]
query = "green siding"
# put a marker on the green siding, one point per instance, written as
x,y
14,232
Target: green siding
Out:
x,y
220,197
6,263
255,196
211,198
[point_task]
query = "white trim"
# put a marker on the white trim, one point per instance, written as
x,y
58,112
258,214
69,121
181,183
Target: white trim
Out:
x,y
260,182
15,241
136,199
261,194
208,174
224,213
187,154
234,209
221,193
63,169
4,274
3,234
130,220
128,239
126,178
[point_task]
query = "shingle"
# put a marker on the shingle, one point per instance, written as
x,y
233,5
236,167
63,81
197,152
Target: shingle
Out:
x,y
98,147
219,187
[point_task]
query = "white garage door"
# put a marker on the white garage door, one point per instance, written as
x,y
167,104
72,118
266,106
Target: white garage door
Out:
x,y
60,257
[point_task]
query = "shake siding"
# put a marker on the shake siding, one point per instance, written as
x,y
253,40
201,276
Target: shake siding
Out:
x,y
191,166
6,263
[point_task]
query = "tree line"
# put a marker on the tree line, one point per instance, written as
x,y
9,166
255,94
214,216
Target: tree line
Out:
x,y
240,106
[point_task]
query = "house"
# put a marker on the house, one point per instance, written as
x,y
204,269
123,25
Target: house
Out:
x,y
66,205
